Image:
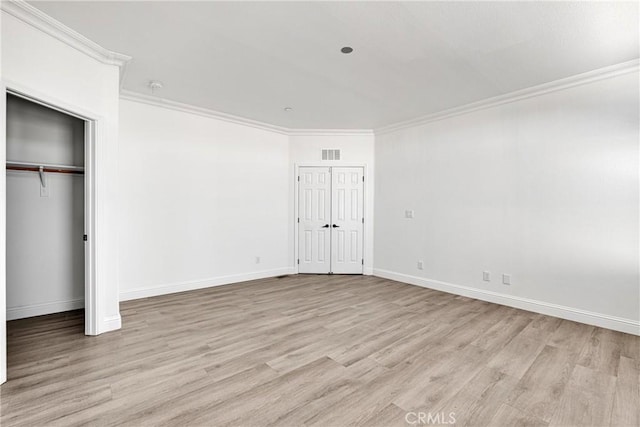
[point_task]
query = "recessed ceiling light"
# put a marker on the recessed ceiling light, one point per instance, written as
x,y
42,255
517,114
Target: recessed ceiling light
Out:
x,y
288,109
346,50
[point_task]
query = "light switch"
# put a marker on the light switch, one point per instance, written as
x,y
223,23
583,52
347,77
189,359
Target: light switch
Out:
x,y
408,214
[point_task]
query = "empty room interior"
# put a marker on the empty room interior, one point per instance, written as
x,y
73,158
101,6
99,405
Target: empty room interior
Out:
x,y
351,213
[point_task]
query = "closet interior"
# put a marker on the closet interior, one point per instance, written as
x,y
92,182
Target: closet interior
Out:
x,y
45,210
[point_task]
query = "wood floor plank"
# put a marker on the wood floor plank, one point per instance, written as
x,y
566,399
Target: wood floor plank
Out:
x,y
515,358
390,416
571,335
318,351
602,351
512,417
626,402
587,399
480,399
539,390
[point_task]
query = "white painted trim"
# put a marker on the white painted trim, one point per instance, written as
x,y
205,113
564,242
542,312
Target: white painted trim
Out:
x,y
199,111
43,22
38,19
171,288
155,101
556,85
330,132
48,101
3,235
111,323
92,284
92,135
565,83
32,310
628,326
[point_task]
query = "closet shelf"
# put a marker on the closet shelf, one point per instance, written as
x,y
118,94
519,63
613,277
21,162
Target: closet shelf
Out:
x,y
44,167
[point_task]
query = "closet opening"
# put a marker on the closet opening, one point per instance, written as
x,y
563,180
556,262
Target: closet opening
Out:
x,y
47,220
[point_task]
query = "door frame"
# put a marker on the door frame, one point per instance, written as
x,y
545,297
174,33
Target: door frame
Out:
x,y
367,236
94,125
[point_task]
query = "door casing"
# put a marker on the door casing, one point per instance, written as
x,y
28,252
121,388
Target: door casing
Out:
x,y
93,126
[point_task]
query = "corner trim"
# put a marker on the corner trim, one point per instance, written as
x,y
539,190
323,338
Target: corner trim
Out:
x,y
32,310
545,88
171,288
628,326
35,17
110,323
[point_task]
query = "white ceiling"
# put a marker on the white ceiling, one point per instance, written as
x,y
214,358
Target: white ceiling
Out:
x,y
252,59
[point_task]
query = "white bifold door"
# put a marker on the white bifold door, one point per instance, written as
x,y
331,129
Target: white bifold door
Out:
x,y
330,220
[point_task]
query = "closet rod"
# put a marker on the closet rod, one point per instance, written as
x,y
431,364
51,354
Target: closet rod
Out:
x,y
32,167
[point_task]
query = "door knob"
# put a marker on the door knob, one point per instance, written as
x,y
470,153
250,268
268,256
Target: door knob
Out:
x,y
325,226
336,226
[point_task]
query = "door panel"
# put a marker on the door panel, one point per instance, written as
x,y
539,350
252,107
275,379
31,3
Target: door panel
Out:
x,y
347,220
315,216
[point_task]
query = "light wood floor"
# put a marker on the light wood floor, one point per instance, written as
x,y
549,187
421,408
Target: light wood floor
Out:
x,y
319,351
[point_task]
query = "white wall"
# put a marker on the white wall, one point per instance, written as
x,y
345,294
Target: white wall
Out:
x,y
544,189
35,62
45,251
356,149
201,199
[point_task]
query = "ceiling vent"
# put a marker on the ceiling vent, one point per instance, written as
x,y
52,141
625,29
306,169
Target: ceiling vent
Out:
x,y
330,154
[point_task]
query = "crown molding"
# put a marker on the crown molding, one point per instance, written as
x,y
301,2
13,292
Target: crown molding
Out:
x,y
545,88
186,108
23,11
331,132
565,83
155,101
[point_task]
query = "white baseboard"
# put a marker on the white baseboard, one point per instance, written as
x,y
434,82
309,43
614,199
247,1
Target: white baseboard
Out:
x,y
151,291
21,312
111,323
628,326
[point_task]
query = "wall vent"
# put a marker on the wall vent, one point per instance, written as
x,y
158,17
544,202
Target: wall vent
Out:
x,y
330,154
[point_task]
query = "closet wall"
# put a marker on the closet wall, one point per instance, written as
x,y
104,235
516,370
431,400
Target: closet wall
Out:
x,y
45,250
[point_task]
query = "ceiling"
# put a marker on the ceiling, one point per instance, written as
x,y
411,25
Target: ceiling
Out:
x,y
253,59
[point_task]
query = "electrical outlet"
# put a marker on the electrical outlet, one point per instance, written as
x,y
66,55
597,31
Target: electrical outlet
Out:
x,y
257,260
486,276
420,265
506,279
408,214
